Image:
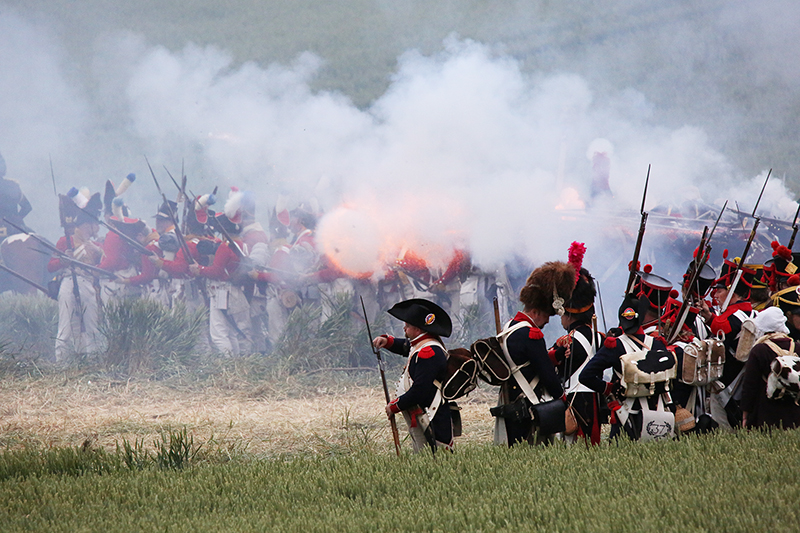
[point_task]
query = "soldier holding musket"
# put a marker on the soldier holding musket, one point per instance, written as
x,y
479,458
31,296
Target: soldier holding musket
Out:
x,y
418,395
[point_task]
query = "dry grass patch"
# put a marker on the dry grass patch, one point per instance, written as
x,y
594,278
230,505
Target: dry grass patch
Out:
x,y
283,418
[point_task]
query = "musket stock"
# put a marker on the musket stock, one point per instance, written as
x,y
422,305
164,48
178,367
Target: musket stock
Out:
x,y
377,352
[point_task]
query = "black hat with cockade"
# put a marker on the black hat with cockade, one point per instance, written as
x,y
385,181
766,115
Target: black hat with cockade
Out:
x,y
423,314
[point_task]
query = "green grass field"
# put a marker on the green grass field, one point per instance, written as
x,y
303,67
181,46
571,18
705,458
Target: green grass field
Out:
x,y
725,482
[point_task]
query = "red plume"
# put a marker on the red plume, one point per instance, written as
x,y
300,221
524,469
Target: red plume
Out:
x,y
794,280
725,253
648,269
576,252
782,252
674,294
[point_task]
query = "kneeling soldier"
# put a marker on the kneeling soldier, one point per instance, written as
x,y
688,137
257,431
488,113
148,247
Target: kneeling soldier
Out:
x,y
419,397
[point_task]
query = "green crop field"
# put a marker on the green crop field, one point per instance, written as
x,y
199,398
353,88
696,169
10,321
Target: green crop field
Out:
x,y
723,482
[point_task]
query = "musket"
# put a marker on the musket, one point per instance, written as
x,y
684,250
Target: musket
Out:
x,y
602,310
26,280
53,176
740,266
74,262
61,254
498,326
638,248
172,218
794,226
377,352
181,195
233,245
743,257
710,235
673,330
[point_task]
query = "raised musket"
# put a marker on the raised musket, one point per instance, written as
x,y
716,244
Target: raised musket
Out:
x,y
794,226
638,248
739,266
673,330
377,352
743,257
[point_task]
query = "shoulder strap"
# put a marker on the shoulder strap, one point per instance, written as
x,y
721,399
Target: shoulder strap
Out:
x,y
574,384
527,387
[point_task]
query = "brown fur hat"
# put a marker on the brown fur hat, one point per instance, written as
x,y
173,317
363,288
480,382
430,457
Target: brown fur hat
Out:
x,y
551,281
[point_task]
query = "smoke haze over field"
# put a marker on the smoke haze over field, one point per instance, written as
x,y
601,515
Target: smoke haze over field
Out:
x,y
468,146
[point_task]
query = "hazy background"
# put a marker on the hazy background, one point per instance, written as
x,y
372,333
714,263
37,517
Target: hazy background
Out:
x,y
452,123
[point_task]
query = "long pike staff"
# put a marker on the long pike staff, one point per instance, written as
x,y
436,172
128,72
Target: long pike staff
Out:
x,y
377,352
638,248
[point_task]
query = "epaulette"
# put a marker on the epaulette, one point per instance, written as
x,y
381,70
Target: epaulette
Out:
x,y
535,333
610,342
426,353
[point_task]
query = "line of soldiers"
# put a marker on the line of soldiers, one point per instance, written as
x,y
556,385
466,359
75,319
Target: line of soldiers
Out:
x,y
713,373
250,278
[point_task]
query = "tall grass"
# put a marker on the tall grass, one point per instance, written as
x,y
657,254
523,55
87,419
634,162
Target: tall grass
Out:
x,y
144,334
339,341
28,328
718,482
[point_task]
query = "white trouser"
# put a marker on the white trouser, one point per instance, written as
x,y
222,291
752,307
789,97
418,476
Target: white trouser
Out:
x,y
70,339
227,299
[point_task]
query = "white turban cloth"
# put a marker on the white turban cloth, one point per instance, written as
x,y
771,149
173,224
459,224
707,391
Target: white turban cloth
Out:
x,y
770,320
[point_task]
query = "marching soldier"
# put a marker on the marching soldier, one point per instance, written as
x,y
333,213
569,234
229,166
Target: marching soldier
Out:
x,y
77,296
418,395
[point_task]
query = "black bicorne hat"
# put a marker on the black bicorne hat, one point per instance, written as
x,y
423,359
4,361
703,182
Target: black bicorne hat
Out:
x,y
631,312
423,314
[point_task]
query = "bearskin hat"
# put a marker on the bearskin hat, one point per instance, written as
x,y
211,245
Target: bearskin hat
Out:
x,y
631,313
548,287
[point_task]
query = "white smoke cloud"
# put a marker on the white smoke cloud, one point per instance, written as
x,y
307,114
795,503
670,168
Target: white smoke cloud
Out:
x,y
463,150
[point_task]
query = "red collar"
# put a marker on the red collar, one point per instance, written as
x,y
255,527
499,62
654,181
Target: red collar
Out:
x,y
422,338
522,317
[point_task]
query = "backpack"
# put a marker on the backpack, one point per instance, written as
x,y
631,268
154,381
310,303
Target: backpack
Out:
x,y
643,367
702,361
460,377
783,381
